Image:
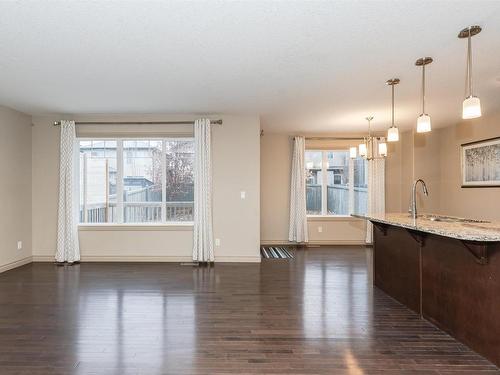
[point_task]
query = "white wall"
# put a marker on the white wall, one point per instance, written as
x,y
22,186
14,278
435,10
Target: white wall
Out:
x,y
15,188
236,151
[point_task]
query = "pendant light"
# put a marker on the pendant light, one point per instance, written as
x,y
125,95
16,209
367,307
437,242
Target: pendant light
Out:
x,y
367,149
471,106
353,152
424,120
382,148
363,149
392,132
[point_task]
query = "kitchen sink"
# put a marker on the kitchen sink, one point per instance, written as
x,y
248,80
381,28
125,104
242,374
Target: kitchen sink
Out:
x,y
450,219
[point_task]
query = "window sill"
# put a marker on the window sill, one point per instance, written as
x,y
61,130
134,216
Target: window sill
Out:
x,y
181,226
313,218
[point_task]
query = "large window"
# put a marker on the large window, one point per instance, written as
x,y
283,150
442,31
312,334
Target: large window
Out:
x,y
136,180
335,184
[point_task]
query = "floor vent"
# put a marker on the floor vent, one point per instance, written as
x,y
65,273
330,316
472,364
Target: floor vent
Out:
x,y
276,252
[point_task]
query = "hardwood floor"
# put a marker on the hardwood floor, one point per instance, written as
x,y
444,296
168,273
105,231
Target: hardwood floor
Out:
x,y
316,314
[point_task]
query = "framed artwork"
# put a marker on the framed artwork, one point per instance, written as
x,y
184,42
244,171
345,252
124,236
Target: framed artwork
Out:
x,y
481,163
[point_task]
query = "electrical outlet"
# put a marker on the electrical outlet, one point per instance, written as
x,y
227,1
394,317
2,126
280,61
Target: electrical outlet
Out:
x,y
19,245
320,229
217,242
243,194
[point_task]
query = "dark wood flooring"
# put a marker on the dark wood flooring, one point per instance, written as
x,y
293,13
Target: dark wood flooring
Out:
x,y
316,314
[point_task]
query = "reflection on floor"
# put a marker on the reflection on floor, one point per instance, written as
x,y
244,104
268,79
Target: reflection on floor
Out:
x,y
315,314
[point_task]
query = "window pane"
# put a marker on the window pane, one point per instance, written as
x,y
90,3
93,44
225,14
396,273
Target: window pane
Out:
x,y
360,186
313,160
142,175
338,182
179,180
97,182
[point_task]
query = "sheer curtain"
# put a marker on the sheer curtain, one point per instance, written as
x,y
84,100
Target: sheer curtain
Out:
x,y
298,217
203,249
376,191
68,249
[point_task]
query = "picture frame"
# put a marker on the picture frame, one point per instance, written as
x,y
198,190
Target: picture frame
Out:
x,y
480,163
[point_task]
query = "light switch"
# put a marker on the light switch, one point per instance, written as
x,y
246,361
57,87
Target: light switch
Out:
x,y
320,229
243,194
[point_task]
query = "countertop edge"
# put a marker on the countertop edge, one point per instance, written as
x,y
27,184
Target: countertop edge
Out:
x,y
426,229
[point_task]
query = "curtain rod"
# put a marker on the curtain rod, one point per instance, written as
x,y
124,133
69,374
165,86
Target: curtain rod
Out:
x,y
216,122
336,138
333,138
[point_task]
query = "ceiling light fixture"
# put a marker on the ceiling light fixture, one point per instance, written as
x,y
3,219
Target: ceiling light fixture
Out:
x,y
472,105
367,149
392,132
424,120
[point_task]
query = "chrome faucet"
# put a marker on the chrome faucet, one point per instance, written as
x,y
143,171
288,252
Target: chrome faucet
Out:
x,y
413,203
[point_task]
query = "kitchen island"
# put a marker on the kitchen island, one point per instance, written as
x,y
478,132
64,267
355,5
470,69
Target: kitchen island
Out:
x,y
446,269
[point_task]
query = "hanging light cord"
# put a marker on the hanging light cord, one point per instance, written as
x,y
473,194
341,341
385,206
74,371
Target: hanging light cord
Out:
x,y
469,62
423,89
392,86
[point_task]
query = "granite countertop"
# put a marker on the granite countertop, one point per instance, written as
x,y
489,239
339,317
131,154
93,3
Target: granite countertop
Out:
x,y
469,230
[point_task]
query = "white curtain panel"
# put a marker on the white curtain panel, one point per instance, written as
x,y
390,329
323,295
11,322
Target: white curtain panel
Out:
x,y
376,191
203,249
68,249
298,218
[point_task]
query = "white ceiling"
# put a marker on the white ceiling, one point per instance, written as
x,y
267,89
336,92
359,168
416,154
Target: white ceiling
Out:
x,y
304,66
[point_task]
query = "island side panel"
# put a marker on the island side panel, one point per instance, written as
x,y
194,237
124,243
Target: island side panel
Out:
x,y
461,296
397,265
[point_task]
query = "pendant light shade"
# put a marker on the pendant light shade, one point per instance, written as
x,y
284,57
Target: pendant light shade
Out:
x,y
393,131
423,123
424,120
471,107
353,152
382,149
392,134
362,150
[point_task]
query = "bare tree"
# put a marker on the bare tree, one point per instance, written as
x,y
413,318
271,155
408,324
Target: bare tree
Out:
x,y
179,170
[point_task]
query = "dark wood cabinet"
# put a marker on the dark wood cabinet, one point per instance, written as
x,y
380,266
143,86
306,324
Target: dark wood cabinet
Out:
x,y
445,280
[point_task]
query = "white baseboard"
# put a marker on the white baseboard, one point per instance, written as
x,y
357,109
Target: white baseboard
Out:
x,y
238,259
172,259
15,264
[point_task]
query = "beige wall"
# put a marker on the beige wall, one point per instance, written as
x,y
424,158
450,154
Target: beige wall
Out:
x,y
236,221
275,162
410,158
435,157
15,189
275,159
481,203
393,173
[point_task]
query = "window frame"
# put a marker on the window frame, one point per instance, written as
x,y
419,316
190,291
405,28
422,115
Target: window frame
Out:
x,y
120,204
324,184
